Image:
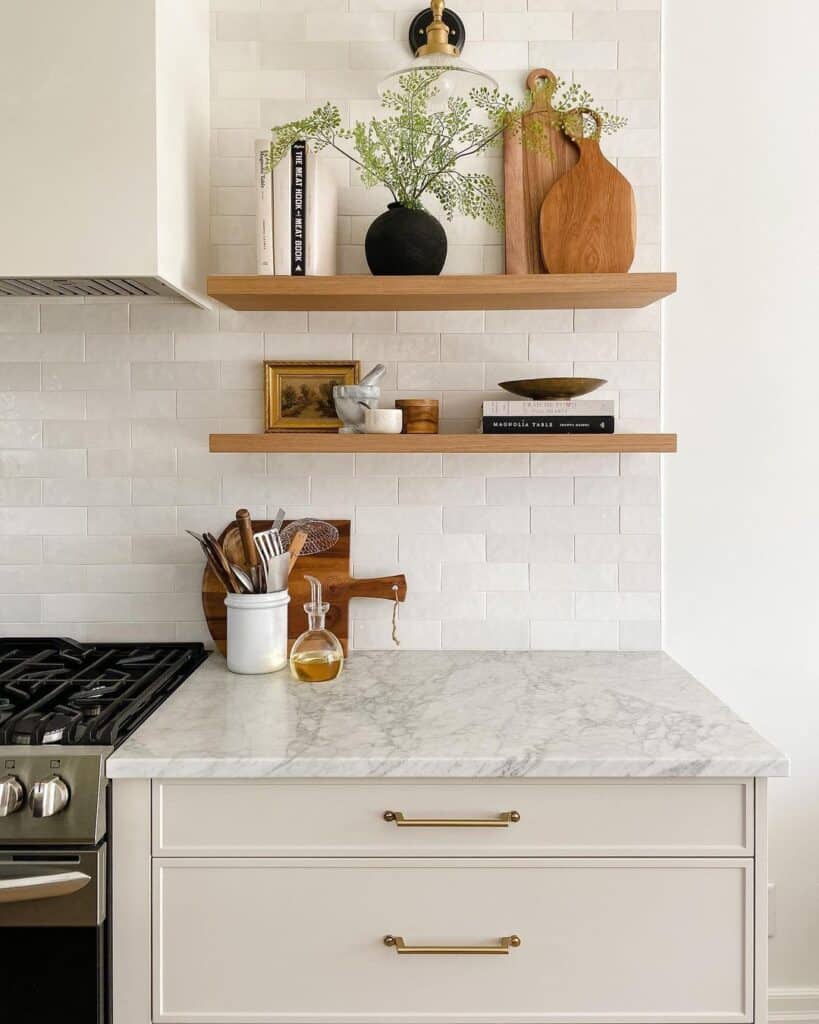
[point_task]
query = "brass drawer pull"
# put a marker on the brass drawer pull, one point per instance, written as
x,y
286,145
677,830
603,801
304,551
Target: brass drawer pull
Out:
x,y
507,943
504,821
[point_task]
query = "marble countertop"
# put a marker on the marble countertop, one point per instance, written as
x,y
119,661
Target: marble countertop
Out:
x,y
454,715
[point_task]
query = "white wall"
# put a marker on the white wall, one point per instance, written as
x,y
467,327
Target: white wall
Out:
x,y
105,411
741,499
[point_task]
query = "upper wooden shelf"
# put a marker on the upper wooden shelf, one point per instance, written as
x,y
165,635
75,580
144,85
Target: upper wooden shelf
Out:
x,y
478,443
448,291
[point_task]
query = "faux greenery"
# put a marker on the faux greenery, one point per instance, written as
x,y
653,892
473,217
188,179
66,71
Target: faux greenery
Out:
x,y
415,151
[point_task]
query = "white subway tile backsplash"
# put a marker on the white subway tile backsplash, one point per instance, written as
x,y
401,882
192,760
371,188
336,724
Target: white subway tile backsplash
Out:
x,y
105,407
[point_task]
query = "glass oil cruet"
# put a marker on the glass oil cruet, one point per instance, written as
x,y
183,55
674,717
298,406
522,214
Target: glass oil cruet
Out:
x,y
317,656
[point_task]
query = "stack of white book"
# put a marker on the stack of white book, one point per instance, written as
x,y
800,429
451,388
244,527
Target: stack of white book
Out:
x,y
577,416
296,213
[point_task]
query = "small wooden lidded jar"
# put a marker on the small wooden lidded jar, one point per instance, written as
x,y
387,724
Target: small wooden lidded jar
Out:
x,y
420,415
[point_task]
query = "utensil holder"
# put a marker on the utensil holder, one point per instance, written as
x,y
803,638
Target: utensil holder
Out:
x,y
257,632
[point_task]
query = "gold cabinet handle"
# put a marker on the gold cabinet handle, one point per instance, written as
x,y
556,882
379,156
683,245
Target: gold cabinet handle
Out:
x,y
507,943
503,821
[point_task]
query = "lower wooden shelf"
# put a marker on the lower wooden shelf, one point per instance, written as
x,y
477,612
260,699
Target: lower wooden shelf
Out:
x,y
477,443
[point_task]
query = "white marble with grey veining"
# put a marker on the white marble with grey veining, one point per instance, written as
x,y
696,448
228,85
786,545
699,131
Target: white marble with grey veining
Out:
x,y
450,715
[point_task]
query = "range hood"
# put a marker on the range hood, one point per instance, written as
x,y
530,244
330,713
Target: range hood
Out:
x,y
104,135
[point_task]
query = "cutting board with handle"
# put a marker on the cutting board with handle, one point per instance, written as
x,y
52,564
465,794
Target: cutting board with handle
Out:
x,y
588,220
530,171
332,568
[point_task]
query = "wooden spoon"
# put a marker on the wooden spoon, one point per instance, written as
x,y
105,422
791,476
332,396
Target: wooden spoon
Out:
x,y
296,544
588,220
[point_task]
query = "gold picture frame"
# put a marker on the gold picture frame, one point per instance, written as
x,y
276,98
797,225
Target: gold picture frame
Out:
x,y
298,394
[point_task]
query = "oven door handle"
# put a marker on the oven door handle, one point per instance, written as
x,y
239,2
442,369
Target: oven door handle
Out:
x,y
42,887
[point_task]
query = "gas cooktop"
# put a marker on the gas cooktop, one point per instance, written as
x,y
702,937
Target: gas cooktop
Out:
x,y
58,691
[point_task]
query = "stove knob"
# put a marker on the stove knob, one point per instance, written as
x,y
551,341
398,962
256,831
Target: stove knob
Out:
x,y
11,795
48,797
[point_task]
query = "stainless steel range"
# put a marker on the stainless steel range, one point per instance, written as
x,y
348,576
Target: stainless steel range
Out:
x,y
64,707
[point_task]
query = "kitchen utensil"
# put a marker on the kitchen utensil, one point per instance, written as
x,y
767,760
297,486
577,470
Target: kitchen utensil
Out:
x,y
321,536
542,389
249,548
243,578
296,548
351,400
256,632
277,522
223,578
588,220
331,567
420,415
374,376
530,171
217,555
383,421
277,569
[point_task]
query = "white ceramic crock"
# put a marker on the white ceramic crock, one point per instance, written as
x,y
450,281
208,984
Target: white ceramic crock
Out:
x,y
383,421
257,632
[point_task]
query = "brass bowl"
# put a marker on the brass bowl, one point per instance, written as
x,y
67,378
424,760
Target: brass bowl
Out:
x,y
542,389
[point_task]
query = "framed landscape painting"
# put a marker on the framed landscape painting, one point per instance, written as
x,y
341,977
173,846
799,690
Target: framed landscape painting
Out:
x,y
299,395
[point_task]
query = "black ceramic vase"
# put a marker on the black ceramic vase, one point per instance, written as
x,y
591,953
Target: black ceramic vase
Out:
x,y
403,241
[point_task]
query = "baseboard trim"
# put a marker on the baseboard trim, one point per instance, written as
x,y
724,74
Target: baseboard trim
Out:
x,y
793,1006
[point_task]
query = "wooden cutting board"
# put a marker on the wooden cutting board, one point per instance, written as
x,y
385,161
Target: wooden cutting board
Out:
x,y
332,568
529,173
588,220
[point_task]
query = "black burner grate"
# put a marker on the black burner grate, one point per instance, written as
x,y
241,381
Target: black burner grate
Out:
x,y
58,691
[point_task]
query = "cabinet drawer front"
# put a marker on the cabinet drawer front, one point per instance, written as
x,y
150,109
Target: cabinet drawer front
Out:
x,y
601,940
668,817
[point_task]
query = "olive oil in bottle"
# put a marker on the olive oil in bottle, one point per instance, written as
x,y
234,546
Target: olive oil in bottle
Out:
x,y
317,656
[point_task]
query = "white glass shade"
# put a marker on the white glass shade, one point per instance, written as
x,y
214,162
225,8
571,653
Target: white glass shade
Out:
x,y
457,79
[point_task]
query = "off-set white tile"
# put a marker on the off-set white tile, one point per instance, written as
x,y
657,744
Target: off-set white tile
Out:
x,y
525,547
120,522
621,607
19,376
641,636
63,318
87,607
172,316
642,346
607,320
528,321
236,321
535,25
434,547
86,376
42,579
224,346
565,347
175,376
162,607
635,577
481,348
80,434
445,376
370,549
87,551
636,490
19,315
479,464
399,464
441,490
24,551
528,491
635,26
574,577
137,579
472,576
640,519
571,464
375,348
131,463
377,636
240,491
176,549
630,548
310,464
27,405
551,606
402,519
352,322
128,348
474,636
574,53
209,464
327,26
233,259
436,606
200,404
92,491
169,490
308,346
354,84
639,464
40,463
32,520
486,520
576,520
20,608
574,636
20,491
31,348
130,405
21,433
638,56
623,375
264,84
246,376
571,5
639,405
448,321
351,490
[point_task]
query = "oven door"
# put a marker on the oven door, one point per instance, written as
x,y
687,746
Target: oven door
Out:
x,y
53,928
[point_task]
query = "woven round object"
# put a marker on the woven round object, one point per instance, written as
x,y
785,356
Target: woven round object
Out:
x,y
321,536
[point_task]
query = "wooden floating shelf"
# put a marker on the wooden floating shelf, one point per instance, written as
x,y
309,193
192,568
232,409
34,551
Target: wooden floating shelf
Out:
x,y
448,291
477,443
